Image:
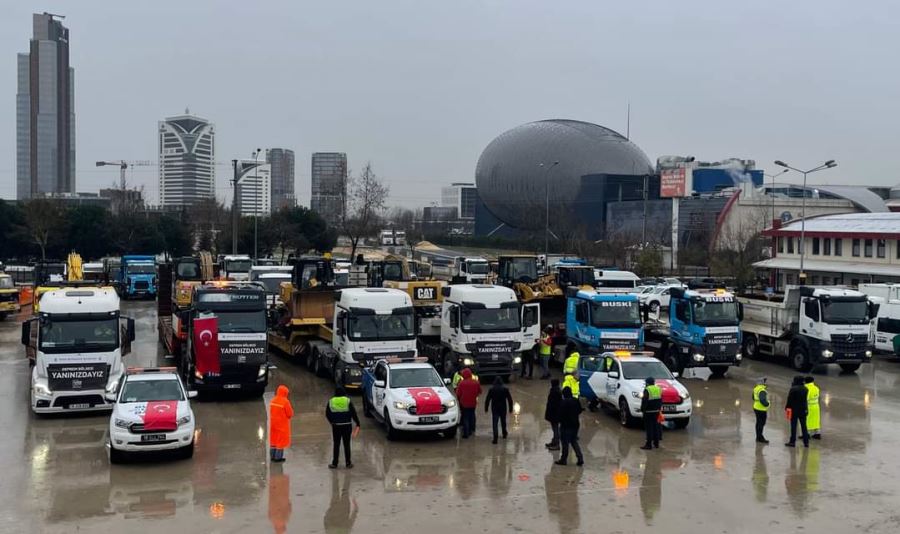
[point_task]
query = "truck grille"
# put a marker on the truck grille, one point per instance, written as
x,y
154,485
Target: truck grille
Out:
x,y
68,400
142,285
850,343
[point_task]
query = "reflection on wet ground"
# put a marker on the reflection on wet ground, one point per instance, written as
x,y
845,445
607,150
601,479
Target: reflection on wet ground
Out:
x,y
711,477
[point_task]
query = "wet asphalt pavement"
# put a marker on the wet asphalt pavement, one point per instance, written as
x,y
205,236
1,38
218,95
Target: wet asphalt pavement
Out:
x,y
711,477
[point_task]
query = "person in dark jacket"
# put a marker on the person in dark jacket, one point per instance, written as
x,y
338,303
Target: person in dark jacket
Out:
x,y
341,413
569,413
551,413
467,393
499,400
796,407
651,404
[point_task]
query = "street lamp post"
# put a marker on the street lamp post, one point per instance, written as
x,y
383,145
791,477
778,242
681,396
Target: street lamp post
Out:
x,y
773,176
547,206
827,165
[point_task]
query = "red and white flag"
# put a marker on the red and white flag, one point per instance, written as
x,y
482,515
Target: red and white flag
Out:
x,y
160,415
206,345
427,401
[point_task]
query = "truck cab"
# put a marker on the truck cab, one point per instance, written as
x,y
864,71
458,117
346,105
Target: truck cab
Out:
x,y
704,331
78,340
486,328
470,270
600,322
9,296
236,267
138,276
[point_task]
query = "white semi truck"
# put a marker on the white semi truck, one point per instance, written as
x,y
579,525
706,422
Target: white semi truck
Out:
x,y
483,327
236,267
463,270
811,326
75,346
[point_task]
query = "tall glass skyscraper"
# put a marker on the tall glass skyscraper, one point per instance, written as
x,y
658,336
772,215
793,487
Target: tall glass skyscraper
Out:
x,y
282,162
329,185
187,154
45,112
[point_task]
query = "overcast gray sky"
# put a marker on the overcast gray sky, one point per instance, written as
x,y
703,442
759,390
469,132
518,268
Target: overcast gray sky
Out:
x,y
420,87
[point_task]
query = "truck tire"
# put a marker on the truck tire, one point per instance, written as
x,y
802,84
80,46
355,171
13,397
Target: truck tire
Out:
x,y
681,423
751,347
625,417
673,361
800,360
849,367
389,429
308,350
318,368
718,371
654,306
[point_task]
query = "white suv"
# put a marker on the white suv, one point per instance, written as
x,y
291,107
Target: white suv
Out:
x,y
151,413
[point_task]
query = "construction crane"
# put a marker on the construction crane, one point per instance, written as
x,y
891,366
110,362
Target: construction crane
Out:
x,y
123,165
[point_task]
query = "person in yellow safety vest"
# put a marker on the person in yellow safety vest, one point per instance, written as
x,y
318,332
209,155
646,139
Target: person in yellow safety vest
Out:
x,y
813,418
546,350
458,377
571,382
342,415
761,408
651,404
571,364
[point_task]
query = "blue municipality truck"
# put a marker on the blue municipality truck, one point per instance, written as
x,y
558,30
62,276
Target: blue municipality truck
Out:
x,y
137,277
598,322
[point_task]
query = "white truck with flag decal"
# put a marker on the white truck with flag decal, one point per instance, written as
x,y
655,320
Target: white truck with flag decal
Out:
x,y
151,413
75,347
408,395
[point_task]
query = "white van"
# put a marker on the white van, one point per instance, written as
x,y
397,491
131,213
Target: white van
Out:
x,y
616,280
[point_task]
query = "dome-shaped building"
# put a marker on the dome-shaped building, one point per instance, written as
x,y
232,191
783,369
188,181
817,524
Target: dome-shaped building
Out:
x,y
517,172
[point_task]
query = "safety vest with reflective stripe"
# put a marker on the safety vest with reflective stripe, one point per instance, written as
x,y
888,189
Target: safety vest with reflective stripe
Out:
x,y
812,394
757,404
654,392
339,404
546,345
572,383
571,363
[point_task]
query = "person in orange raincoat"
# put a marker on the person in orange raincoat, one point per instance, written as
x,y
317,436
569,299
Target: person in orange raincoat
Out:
x,y
280,413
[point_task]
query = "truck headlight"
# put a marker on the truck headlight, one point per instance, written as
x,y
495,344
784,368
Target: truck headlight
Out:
x,y
827,353
184,420
517,359
468,361
451,403
868,354
41,389
400,405
355,371
699,357
122,423
738,356
262,370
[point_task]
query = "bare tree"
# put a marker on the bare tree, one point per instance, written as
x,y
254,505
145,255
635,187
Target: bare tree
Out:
x,y
43,217
738,246
366,198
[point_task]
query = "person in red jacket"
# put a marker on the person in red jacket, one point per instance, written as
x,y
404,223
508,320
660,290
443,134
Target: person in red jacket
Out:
x,y
467,392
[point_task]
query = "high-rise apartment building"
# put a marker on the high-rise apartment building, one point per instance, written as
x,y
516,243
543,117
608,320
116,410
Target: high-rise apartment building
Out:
x,y
187,153
329,185
282,162
45,112
462,196
254,195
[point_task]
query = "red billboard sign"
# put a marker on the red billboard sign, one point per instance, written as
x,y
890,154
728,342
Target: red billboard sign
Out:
x,y
672,183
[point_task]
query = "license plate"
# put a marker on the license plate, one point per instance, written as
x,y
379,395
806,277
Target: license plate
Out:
x,y
669,408
428,419
232,386
153,437
79,406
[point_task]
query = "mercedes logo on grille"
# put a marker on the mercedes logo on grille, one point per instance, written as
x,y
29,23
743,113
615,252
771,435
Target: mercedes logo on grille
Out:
x,y
849,338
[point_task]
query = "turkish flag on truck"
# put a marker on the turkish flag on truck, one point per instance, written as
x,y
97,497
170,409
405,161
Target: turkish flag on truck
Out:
x,y
206,345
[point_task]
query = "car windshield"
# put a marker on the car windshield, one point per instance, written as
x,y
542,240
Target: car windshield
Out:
x,y
490,320
845,311
382,327
151,390
238,266
132,268
615,313
415,378
241,321
188,271
721,313
479,268
522,269
88,335
643,370
6,283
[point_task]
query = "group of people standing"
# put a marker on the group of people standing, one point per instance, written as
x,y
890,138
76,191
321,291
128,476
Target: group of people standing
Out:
x,y
801,409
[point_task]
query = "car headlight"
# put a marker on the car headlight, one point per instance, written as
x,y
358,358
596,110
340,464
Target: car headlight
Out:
x,y
699,357
451,403
468,361
122,423
41,389
636,394
517,359
868,354
400,405
686,396
184,420
355,371
262,370
827,353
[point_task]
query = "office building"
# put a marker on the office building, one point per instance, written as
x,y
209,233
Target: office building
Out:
x,y
254,192
187,153
463,197
329,186
45,112
281,161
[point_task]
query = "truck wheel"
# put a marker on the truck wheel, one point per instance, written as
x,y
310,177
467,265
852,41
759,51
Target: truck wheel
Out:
x,y
389,429
718,371
625,416
672,360
654,307
318,368
310,357
681,423
799,359
751,346
849,367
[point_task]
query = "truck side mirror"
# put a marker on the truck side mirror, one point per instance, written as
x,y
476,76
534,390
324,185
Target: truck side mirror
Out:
x,y
130,329
111,397
339,324
873,309
740,312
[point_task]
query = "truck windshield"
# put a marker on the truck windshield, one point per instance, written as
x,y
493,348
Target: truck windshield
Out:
x,y
188,270
238,266
491,320
79,335
382,327
723,313
151,390
522,269
132,268
479,268
845,311
241,321
6,283
644,370
615,313
415,378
